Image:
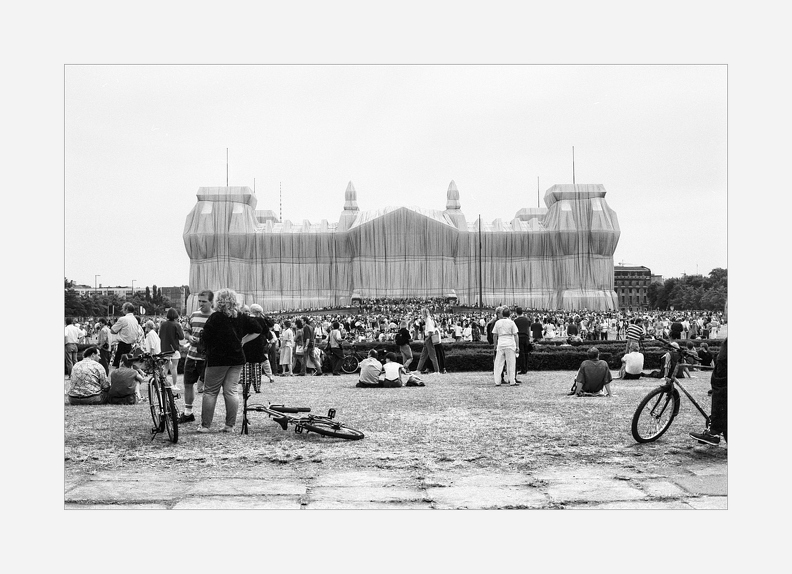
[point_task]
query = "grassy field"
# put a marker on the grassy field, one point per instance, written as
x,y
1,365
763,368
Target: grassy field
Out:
x,y
457,421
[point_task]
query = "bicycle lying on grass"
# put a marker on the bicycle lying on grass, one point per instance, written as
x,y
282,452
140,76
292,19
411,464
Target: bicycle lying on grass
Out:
x,y
657,410
283,415
161,399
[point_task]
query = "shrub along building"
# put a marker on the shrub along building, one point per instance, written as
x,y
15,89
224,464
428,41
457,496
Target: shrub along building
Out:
x,y
556,257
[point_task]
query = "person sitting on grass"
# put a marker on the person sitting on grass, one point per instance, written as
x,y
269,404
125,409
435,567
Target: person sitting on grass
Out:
x,y
89,385
125,383
393,371
592,376
632,363
370,371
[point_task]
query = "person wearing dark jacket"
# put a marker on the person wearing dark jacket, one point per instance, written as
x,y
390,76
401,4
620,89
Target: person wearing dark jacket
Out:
x,y
524,333
256,352
224,334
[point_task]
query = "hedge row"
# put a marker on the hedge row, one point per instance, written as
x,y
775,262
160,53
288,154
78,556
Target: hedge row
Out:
x,y
546,356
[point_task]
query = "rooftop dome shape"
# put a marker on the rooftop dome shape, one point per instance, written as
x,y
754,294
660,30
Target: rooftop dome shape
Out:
x,y
452,196
350,198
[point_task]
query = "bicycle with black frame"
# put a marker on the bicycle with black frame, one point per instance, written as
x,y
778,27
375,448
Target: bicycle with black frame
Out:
x,y
162,401
283,415
657,410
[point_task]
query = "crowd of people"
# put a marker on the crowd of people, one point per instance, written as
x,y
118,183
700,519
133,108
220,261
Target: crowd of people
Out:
x,y
226,343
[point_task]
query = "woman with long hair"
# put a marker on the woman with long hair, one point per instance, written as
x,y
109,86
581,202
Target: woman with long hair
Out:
x,y
223,335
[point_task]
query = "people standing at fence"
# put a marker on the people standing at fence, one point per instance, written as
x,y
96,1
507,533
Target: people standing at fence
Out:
x,y
170,334
128,330
195,364
505,338
224,334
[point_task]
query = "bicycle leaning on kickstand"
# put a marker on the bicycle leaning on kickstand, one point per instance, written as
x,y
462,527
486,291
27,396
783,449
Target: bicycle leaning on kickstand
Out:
x,y
161,400
657,410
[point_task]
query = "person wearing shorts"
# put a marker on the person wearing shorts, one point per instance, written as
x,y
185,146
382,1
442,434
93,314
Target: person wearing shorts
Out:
x,y
195,363
170,333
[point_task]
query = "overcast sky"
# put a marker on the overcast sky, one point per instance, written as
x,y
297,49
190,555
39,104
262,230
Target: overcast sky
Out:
x,y
141,140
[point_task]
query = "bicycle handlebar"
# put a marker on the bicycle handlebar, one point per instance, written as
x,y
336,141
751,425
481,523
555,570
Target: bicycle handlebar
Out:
x,y
285,409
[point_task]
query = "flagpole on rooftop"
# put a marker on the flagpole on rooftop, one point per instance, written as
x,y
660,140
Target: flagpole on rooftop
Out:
x,y
573,165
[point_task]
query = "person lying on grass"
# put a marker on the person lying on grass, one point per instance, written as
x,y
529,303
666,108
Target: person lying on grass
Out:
x,y
592,376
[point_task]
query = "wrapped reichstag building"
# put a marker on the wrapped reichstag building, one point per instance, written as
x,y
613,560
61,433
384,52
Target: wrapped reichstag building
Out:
x,y
557,257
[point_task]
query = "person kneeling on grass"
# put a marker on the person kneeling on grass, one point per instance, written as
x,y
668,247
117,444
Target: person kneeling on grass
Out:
x,y
125,383
592,376
370,371
89,385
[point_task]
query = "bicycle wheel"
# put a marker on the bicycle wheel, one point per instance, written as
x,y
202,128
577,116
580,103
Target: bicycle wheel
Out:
x,y
155,403
349,365
332,429
655,414
169,416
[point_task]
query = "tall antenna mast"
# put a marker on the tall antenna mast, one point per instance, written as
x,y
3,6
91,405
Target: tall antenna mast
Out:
x,y
573,165
226,167
280,200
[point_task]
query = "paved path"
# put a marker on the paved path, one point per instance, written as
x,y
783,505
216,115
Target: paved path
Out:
x,y
285,487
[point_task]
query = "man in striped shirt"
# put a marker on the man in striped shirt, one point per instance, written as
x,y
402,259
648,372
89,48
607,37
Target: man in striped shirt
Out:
x,y
195,363
635,332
